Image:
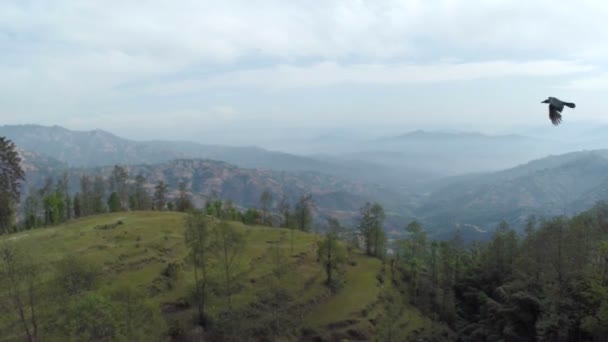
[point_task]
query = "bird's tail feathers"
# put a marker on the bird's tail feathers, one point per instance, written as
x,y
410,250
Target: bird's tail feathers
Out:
x,y
570,104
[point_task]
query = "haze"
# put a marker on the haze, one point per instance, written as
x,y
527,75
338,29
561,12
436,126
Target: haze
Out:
x,y
226,72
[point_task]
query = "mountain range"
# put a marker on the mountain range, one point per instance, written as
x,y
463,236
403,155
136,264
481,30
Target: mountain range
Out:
x,y
101,148
405,160
239,174
561,184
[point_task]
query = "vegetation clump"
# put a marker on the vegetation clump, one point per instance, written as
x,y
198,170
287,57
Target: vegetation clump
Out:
x,y
109,226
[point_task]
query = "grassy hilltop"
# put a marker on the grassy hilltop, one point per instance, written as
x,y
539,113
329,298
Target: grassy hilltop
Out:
x,y
147,251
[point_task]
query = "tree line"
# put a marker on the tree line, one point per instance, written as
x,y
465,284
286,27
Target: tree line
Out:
x,y
548,284
55,203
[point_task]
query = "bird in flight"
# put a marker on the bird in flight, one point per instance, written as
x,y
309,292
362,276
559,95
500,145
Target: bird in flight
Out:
x,y
555,109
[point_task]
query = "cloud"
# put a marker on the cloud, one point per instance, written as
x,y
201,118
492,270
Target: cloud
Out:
x,y
67,59
591,83
116,42
331,73
222,31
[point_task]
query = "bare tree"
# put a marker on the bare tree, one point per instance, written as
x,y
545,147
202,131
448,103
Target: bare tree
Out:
x,y
197,239
284,209
227,247
265,202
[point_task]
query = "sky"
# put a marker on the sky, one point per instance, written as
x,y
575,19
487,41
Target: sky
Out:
x,y
245,71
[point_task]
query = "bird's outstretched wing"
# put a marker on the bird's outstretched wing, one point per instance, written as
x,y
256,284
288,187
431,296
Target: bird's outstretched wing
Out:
x,y
555,115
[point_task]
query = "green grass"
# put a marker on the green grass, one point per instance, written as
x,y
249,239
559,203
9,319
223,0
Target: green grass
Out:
x,y
360,290
136,252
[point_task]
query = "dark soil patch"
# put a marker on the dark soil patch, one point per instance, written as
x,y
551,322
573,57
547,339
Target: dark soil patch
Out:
x,y
174,307
341,324
108,226
356,335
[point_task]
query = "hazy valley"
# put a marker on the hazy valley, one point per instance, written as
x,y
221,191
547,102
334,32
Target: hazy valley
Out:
x,y
420,175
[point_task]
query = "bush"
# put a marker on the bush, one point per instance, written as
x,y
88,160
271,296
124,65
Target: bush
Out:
x,y
171,271
76,275
92,318
139,320
109,226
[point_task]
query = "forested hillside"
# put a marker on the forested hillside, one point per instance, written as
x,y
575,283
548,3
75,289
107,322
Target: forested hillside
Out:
x,y
557,185
549,284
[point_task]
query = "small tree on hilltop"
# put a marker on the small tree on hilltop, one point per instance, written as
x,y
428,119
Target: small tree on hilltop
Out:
x,y
331,252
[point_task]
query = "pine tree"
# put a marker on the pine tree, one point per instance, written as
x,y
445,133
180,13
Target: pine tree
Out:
x,y
184,202
118,184
114,202
141,197
303,213
11,177
99,195
371,228
160,196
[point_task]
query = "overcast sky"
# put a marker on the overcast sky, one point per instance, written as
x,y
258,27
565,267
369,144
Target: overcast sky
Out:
x,y
170,69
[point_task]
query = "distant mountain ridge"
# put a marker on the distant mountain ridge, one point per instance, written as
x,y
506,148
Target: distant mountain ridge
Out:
x,y
101,148
442,135
555,185
442,154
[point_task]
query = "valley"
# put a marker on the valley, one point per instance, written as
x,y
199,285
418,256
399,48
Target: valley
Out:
x,y
556,185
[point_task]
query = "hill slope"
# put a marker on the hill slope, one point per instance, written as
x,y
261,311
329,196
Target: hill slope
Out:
x,y
556,185
137,252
